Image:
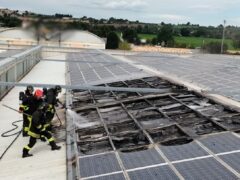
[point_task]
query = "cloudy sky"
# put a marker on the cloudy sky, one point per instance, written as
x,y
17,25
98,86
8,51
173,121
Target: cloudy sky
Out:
x,y
204,12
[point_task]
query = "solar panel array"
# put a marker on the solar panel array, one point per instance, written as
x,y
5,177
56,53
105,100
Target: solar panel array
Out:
x,y
178,135
150,160
218,73
90,71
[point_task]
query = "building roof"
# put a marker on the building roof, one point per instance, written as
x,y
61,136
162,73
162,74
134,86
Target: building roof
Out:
x,y
174,135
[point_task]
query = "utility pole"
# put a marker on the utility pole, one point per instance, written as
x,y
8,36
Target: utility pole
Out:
x,y
60,38
223,35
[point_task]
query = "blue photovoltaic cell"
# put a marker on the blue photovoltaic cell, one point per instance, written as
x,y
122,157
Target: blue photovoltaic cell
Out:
x,y
232,160
100,164
223,142
156,173
119,176
141,158
207,169
186,151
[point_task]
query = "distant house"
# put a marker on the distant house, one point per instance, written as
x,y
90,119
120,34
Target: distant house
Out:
x,y
143,41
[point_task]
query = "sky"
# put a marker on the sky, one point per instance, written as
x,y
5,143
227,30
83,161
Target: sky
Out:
x,y
203,12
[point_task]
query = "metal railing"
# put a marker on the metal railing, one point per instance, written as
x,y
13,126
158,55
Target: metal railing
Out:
x,y
14,68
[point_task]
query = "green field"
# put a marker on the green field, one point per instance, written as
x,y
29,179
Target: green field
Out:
x,y
147,36
198,42
190,41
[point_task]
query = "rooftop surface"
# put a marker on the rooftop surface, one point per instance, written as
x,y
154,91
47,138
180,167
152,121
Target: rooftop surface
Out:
x,y
175,134
45,164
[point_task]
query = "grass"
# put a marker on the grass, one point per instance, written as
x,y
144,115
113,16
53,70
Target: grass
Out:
x,y
147,36
190,41
198,41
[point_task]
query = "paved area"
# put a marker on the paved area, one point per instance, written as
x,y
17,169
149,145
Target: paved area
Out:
x,y
216,73
45,164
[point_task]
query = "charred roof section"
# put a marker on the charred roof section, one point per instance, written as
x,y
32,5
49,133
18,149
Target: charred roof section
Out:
x,y
130,133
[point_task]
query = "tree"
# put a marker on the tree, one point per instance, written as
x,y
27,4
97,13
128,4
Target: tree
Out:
x,y
8,21
130,35
185,32
200,32
112,41
214,47
236,41
124,46
154,41
165,35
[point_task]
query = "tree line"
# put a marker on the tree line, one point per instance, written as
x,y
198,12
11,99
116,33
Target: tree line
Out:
x,y
164,33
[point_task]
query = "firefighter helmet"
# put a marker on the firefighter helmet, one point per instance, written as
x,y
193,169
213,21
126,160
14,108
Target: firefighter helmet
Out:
x,y
58,89
38,93
30,88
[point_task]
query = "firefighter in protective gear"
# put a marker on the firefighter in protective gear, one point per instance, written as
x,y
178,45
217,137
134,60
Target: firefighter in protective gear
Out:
x,y
36,129
51,99
29,106
52,94
29,91
22,97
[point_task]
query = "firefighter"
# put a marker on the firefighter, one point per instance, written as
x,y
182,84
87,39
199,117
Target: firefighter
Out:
x,y
22,97
52,101
52,94
44,92
29,106
36,129
29,91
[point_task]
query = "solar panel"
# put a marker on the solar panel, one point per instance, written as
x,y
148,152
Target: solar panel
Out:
x,y
118,176
222,142
148,164
185,151
156,173
100,164
141,158
233,160
207,169
93,72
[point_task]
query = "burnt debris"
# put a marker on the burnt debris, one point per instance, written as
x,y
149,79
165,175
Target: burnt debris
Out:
x,y
136,121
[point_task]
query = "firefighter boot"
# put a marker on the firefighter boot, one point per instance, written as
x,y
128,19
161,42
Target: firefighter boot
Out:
x,y
25,153
54,146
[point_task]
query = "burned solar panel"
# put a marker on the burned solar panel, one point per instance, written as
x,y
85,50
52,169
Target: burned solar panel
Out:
x,y
130,141
169,135
181,114
181,108
93,140
132,124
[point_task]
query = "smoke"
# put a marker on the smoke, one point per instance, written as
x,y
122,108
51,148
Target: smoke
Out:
x,y
79,121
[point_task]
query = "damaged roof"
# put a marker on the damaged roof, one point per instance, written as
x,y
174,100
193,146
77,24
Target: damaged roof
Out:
x,y
176,134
